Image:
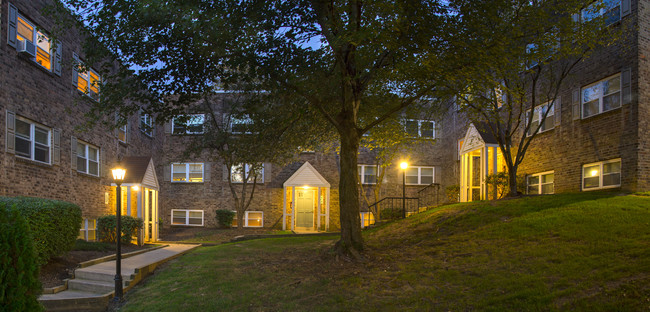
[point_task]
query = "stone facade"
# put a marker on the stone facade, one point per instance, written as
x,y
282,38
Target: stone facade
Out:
x,y
41,96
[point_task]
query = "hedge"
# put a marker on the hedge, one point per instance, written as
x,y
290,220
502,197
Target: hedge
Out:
x,y
19,284
106,228
54,224
225,217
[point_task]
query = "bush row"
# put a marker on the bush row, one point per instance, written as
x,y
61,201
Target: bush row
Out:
x,y
106,228
54,224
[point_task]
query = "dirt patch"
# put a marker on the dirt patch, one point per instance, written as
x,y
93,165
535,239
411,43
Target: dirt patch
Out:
x,y
59,268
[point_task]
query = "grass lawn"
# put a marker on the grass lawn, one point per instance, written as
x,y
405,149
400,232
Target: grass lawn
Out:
x,y
588,251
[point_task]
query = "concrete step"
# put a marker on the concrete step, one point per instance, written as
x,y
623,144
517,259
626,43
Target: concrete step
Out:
x,y
97,287
94,275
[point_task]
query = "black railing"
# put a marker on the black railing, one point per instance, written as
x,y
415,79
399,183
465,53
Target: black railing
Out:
x,y
392,208
429,196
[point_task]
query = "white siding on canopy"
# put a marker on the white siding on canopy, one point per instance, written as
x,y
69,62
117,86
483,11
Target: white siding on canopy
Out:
x,y
307,175
150,179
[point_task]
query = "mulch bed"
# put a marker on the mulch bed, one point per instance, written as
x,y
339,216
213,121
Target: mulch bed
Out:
x,y
59,268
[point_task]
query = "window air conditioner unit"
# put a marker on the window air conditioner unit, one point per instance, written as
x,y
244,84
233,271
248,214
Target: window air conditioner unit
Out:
x,y
27,48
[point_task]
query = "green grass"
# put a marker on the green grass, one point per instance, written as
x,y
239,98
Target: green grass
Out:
x,y
586,251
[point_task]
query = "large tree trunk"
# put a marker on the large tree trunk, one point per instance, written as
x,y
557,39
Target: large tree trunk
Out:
x,y
512,182
351,242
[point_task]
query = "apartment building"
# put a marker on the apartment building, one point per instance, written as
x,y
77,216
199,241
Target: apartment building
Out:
x,y
597,137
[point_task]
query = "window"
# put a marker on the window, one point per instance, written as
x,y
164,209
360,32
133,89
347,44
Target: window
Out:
x,y
121,132
87,158
188,124
187,217
146,124
88,230
367,174
27,35
531,48
538,113
240,125
367,219
419,175
251,219
601,96
420,128
541,183
611,10
187,172
32,141
600,175
88,82
239,172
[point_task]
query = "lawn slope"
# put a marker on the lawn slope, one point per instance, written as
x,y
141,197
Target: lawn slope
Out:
x,y
586,251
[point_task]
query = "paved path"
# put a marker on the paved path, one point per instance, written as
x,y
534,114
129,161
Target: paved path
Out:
x,y
95,284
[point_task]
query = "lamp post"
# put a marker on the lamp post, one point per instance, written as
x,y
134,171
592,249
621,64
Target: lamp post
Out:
x,y
404,165
118,177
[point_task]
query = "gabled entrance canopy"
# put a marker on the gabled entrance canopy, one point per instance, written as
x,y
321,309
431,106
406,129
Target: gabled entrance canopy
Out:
x,y
306,199
480,156
141,181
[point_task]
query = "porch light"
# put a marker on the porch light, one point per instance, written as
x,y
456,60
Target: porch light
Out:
x,y
404,165
305,187
136,188
118,174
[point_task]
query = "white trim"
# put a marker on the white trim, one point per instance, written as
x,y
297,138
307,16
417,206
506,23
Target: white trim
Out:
x,y
36,33
369,215
189,122
600,165
246,219
420,123
85,157
539,111
361,169
601,108
419,175
187,172
147,120
187,217
32,139
246,173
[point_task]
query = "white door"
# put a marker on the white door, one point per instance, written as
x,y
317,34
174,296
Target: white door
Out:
x,y
305,208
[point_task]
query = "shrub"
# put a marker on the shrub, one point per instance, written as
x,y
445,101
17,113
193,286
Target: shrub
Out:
x,y
54,224
498,182
453,193
19,284
225,217
106,226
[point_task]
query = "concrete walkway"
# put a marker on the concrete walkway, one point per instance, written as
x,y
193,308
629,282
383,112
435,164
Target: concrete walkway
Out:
x,y
93,286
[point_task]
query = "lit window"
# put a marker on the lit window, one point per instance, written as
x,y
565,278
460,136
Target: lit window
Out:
x,y
419,175
88,82
240,173
420,128
600,175
538,113
601,96
367,174
187,217
87,158
88,230
121,132
146,124
541,183
188,124
187,172
611,10
26,32
32,141
367,219
251,219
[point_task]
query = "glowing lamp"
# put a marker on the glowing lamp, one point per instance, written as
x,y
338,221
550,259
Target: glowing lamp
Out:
x,y
118,174
136,188
404,165
594,173
305,187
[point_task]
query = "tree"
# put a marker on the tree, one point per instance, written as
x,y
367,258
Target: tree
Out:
x,y
528,49
357,63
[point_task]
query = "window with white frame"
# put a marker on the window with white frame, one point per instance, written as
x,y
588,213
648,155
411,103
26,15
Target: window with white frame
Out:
x,y
187,217
541,183
146,124
538,114
188,124
32,140
601,96
28,35
88,230
241,125
251,219
610,9
239,172
367,219
420,128
88,81
122,132
367,174
87,158
601,175
187,172
419,175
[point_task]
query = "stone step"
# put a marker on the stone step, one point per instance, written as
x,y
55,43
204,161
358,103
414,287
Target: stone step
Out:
x,y
97,287
98,275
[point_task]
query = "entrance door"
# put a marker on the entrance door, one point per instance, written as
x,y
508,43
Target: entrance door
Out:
x,y
472,172
305,208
